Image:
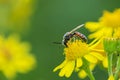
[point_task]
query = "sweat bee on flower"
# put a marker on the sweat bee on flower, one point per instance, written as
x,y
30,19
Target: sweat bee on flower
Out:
x,y
73,34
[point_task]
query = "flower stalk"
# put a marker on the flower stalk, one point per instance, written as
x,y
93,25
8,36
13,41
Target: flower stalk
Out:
x,y
117,68
118,60
87,69
110,56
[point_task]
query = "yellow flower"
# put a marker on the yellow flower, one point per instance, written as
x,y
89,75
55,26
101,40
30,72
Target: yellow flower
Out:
x,y
74,53
107,26
15,56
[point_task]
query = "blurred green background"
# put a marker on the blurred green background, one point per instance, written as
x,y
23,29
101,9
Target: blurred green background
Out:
x,y
48,23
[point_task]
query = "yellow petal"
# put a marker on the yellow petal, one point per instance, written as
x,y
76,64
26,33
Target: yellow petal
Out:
x,y
105,62
92,66
117,32
82,74
67,69
79,62
97,55
9,71
109,31
60,66
25,63
90,58
70,68
62,72
92,26
97,34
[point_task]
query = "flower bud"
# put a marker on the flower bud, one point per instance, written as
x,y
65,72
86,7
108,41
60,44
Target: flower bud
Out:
x,y
110,45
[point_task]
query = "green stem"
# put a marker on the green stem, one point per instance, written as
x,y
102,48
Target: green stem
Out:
x,y
110,64
87,69
117,68
89,73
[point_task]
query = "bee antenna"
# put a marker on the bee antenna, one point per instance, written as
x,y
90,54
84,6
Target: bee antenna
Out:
x,y
57,43
76,28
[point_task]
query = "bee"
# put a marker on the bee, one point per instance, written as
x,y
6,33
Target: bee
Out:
x,y
73,33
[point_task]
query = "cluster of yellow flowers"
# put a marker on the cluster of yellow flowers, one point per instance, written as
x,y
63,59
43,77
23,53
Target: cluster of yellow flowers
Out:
x,y
15,56
82,57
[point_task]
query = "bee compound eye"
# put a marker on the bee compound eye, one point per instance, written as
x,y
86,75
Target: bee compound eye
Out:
x,y
66,34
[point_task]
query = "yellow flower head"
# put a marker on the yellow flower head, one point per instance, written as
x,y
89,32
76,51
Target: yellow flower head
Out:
x,y
108,25
74,53
15,56
76,50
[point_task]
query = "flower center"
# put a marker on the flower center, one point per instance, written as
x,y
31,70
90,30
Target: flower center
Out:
x,y
6,54
75,49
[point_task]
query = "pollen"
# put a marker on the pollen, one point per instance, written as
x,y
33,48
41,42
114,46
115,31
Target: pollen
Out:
x,y
76,50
